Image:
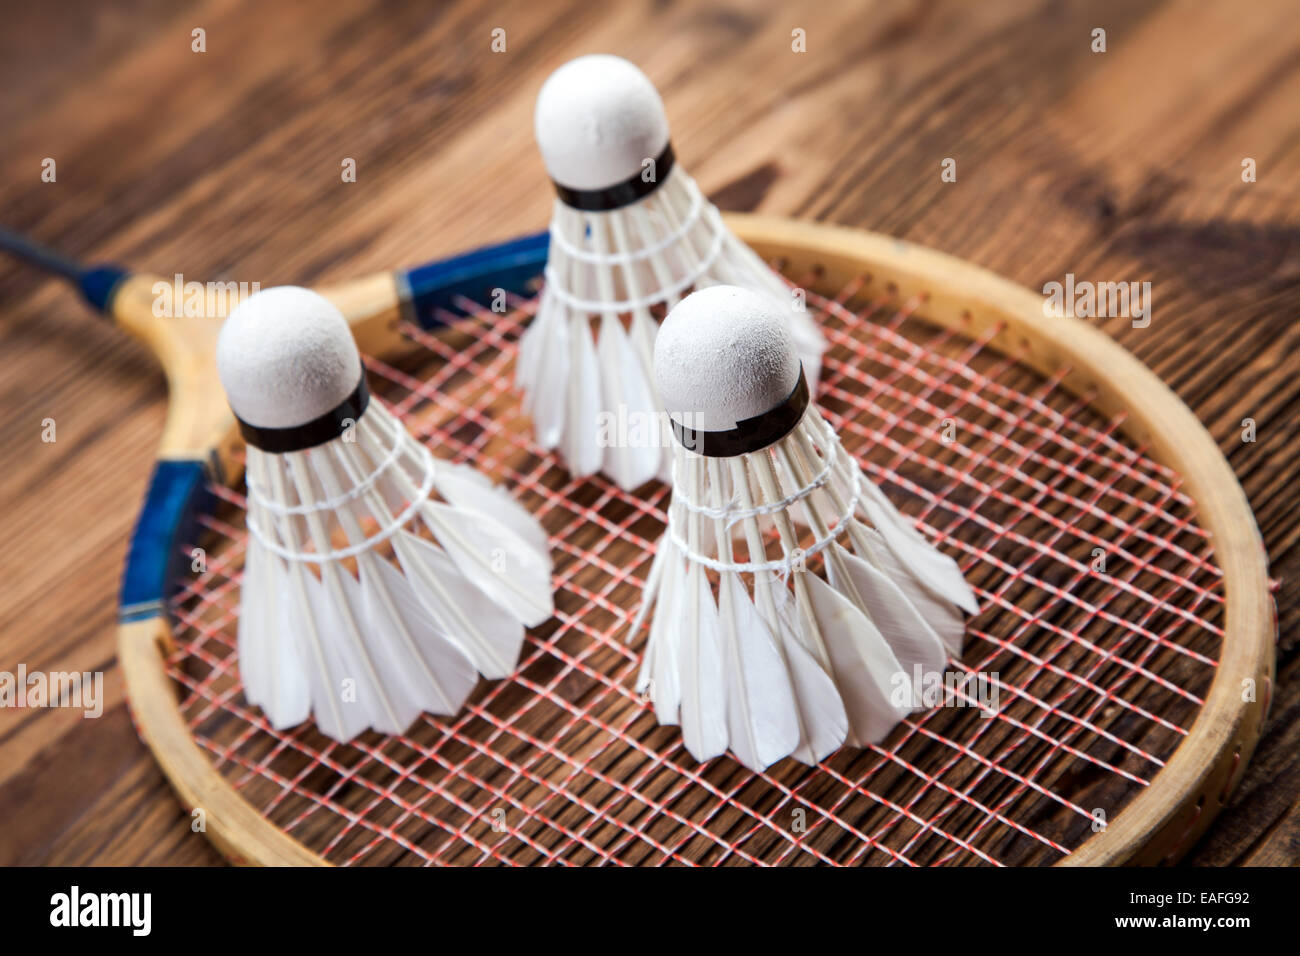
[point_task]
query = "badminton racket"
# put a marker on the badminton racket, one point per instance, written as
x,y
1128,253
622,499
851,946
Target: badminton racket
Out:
x,y
1126,628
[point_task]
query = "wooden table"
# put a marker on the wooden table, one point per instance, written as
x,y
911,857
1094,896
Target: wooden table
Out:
x,y
1117,165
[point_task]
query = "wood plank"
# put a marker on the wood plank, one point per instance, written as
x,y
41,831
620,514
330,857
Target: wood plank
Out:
x,y
1123,165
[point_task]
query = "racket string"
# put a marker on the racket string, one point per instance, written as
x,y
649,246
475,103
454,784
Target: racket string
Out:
x,y
575,763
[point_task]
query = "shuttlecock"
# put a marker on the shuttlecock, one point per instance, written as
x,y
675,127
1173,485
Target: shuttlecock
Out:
x,y
335,482
795,663
630,231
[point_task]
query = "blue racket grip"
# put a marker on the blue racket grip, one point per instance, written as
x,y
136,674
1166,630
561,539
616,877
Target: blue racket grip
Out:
x,y
178,494
511,266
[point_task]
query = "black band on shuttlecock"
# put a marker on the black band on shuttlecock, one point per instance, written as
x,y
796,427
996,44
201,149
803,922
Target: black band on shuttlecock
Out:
x,y
318,431
620,194
750,434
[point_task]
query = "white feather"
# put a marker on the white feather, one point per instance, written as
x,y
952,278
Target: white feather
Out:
x,y
544,357
345,700
500,563
945,619
931,568
823,724
582,408
914,642
665,686
469,490
643,332
884,589
762,716
653,582
631,459
495,561
704,712
417,660
257,635
866,671
365,652
269,661
491,635
340,617
532,344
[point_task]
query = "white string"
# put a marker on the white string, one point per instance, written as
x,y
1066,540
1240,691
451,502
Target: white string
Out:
x,y
628,258
731,514
329,504
783,565
341,554
555,288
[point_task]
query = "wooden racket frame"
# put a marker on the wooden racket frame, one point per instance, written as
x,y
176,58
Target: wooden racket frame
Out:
x,y
1157,826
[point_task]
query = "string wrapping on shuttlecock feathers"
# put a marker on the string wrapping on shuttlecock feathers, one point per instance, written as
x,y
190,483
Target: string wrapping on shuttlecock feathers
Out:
x,y
379,582
795,609
631,233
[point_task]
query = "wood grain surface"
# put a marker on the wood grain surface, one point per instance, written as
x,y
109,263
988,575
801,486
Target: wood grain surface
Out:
x,y
1115,166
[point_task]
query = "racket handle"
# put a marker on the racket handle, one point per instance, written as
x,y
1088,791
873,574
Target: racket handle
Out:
x,y
177,494
431,291
96,283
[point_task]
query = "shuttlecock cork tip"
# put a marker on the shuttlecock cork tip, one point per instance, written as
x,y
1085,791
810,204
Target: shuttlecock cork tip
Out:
x,y
598,119
286,357
725,355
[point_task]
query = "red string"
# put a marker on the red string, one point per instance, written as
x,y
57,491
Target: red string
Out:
x,y
1098,674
